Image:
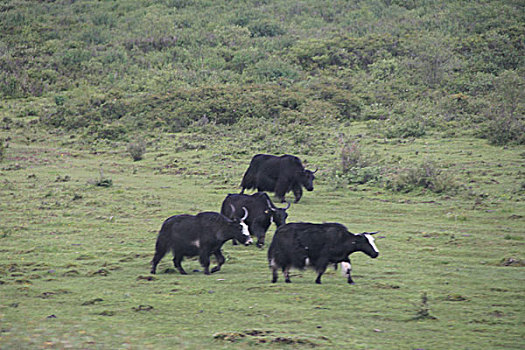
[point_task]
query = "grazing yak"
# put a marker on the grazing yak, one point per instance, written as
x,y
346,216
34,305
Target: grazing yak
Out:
x,y
299,245
279,175
261,213
198,235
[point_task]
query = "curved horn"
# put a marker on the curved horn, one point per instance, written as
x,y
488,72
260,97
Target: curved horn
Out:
x,y
316,168
233,210
270,206
245,214
288,205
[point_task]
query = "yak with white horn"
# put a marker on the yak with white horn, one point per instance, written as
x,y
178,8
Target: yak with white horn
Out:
x,y
199,235
300,245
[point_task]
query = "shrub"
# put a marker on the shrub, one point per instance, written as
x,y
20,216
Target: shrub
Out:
x,y
427,176
102,181
355,167
351,156
503,130
107,132
265,29
2,150
404,127
370,174
505,115
137,150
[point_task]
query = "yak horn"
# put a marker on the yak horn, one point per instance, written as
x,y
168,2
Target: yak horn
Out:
x,y
270,205
317,168
371,233
245,214
288,205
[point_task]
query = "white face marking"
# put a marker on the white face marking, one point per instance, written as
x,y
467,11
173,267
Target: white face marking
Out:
x,y
196,243
371,241
246,232
345,269
307,261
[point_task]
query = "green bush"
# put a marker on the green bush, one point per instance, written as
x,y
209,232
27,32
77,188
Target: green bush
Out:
x,y
136,150
351,156
423,176
506,122
265,29
2,150
502,130
106,132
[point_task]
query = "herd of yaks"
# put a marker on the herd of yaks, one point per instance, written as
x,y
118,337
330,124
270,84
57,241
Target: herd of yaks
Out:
x,y
294,245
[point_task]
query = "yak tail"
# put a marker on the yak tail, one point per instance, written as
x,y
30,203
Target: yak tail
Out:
x,y
161,247
248,182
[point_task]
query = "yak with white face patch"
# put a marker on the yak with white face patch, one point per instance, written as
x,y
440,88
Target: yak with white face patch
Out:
x,y
262,212
371,240
199,235
301,245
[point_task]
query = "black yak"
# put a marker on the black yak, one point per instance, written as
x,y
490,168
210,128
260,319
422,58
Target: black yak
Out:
x,y
261,213
279,175
198,235
299,245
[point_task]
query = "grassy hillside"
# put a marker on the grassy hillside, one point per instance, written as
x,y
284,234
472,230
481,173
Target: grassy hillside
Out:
x,y
411,110
107,68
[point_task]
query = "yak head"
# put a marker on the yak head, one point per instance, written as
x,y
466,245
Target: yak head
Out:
x,y
307,179
365,243
279,215
242,234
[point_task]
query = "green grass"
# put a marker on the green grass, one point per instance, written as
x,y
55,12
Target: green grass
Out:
x,y
74,257
204,85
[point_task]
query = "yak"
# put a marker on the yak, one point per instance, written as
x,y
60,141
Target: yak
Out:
x,y
261,213
299,245
198,235
278,174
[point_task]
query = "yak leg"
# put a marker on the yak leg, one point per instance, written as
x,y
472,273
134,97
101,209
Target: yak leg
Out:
x,y
156,259
220,261
319,274
234,242
259,233
286,273
204,259
321,268
177,260
298,193
281,187
274,274
346,265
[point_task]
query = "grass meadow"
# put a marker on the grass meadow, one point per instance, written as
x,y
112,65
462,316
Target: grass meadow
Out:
x,y
78,224
412,112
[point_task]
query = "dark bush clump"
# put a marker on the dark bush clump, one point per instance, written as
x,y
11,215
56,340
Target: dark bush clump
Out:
x,y
137,150
427,176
